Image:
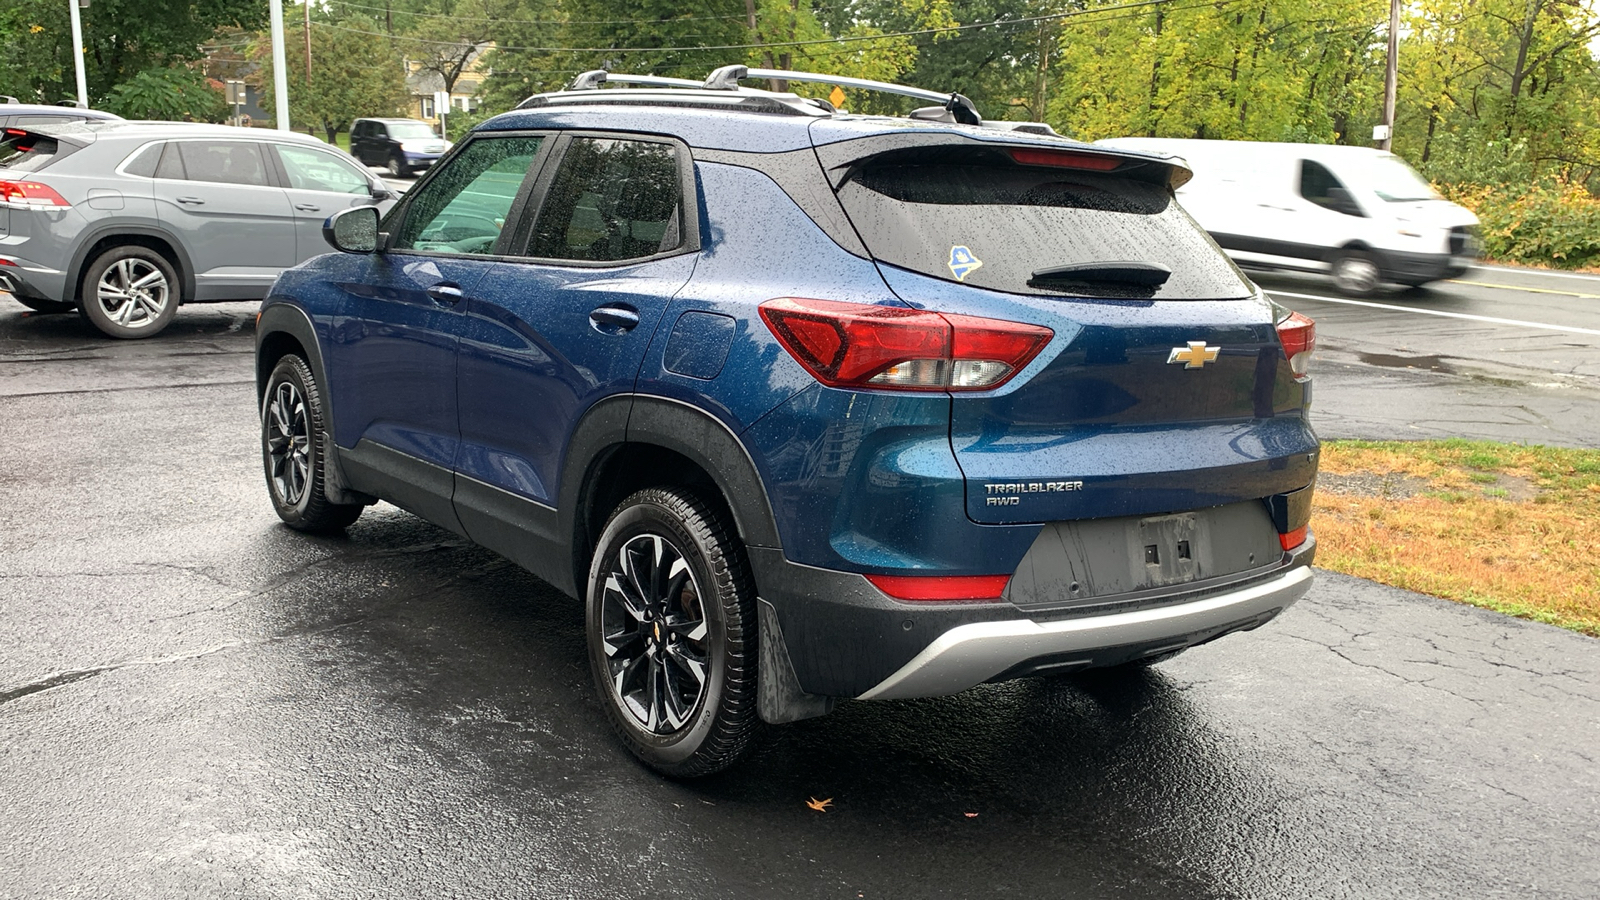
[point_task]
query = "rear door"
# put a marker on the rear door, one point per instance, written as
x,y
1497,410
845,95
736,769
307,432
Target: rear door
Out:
x,y
548,337
236,224
1164,388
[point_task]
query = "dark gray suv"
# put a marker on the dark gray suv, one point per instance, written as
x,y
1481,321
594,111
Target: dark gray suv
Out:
x,y
126,220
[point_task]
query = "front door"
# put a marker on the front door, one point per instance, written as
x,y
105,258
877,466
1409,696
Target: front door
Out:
x,y
319,184
394,352
545,339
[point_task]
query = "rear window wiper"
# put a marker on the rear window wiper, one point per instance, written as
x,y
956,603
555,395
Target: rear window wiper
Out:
x,y
1140,274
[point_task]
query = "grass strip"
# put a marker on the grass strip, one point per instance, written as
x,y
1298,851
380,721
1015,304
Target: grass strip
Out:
x,y
1507,527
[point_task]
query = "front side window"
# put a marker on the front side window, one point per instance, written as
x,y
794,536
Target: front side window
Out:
x,y
611,200
224,162
465,205
313,170
1317,184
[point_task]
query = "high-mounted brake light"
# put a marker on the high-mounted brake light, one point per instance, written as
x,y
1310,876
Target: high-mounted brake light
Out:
x,y
1299,337
1092,162
16,131
941,587
894,348
30,195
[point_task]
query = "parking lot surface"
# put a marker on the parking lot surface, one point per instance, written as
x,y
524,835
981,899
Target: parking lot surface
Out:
x,y
196,701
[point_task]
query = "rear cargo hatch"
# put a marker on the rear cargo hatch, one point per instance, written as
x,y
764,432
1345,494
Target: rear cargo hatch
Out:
x,y
1165,387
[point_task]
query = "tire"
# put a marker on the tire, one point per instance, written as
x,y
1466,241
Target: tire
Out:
x,y
44,306
294,454
1355,273
673,651
397,166
130,292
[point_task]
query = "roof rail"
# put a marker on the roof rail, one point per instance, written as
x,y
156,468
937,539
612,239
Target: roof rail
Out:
x,y
591,80
960,108
7,98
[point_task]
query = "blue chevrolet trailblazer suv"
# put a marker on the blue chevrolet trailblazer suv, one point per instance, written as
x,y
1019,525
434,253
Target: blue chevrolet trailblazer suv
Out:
x,y
805,405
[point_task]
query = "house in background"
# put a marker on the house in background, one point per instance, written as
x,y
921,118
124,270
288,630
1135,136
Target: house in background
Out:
x,y
424,82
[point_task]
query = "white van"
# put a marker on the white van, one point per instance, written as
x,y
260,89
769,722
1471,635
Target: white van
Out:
x,y
1359,214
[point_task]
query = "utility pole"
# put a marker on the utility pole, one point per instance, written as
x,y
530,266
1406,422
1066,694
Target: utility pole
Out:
x,y
306,4
77,51
280,72
1390,76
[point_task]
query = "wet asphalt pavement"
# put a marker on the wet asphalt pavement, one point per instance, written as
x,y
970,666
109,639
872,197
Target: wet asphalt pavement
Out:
x,y
195,701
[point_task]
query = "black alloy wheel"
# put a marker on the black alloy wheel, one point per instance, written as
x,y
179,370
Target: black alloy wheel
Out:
x,y
671,633
292,451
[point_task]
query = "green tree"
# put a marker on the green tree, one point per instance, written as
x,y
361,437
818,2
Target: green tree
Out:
x,y
352,75
172,94
121,39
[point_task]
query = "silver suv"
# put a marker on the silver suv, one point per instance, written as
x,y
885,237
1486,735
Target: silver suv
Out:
x,y
126,220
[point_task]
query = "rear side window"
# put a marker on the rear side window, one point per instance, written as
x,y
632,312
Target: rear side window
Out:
x,y
611,200
171,164
985,221
464,206
26,152
143,162
224,162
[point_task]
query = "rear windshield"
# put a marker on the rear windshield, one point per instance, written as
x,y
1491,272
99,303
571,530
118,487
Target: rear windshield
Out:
x,y
23,151
994,224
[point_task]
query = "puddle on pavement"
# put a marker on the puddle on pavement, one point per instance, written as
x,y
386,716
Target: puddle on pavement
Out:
x,y
1391,361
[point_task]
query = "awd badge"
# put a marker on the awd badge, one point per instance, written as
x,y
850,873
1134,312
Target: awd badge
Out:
x,y
962,262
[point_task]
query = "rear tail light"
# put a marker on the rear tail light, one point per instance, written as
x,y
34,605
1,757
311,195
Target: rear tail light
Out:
x,y
1294,538
30,195
941,587
1299,337
894,348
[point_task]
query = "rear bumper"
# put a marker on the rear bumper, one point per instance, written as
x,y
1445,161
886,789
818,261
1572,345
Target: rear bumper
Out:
x,y
972,654
844,638
24,279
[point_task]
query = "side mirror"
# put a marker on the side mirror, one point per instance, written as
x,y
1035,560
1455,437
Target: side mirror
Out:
x,y
353,230
381,193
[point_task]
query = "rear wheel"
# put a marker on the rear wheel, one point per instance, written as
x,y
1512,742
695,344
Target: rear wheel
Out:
x,y
294,453
671,630
130,292
1355,273
44,306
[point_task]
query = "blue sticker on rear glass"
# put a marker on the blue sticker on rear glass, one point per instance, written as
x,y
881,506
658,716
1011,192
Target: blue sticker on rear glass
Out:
x,y
962,262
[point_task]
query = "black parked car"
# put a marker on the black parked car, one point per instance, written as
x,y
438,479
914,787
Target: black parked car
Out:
x,y
403,146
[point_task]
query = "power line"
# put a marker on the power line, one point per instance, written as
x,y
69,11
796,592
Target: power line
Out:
x,y
806,43
741,17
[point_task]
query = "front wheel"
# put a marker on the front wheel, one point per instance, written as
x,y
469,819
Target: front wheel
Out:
x,y
294,453
670,619
397,166
1355,273
130,292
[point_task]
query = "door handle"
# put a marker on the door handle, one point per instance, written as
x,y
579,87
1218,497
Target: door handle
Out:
x,y
308,207
614,319
447,293
192,201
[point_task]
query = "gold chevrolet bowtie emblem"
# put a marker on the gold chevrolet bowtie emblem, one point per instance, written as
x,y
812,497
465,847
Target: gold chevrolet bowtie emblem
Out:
x,y
1194,356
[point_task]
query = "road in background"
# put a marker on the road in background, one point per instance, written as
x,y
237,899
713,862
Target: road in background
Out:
x,y
1509,354
196,701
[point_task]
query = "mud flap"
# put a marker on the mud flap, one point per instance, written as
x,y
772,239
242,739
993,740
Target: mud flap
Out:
x,y
779,698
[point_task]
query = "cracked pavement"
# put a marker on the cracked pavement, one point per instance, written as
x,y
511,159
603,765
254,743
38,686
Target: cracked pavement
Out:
x,y
195,701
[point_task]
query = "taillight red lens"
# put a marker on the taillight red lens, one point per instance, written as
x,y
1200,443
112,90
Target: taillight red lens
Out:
x,y
1294,538
941,587
894,348
29,194
1299,337
1092,162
